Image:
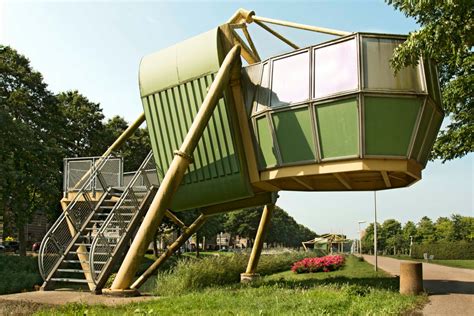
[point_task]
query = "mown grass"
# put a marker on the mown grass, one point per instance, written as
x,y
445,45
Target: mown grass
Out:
x,y
18,274
354,290
454,263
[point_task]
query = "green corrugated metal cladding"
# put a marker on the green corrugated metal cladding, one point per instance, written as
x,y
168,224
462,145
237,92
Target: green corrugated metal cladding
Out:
x,y
173,84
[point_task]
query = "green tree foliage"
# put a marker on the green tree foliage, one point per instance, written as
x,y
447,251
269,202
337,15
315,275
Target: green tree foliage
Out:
x,y
395,239
135,148
447,37
85,129
31,134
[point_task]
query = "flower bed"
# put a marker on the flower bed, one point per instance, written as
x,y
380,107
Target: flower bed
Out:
x,y
324,264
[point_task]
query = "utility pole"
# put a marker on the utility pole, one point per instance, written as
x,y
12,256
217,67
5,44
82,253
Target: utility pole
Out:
x,y
375,229
360,237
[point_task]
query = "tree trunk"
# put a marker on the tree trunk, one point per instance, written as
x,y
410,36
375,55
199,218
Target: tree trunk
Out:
x,y
22,240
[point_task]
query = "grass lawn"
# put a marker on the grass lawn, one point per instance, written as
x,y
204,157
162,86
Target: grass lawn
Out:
x,y
354,290
464,264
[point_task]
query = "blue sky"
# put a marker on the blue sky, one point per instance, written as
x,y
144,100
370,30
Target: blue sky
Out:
x,y
95,47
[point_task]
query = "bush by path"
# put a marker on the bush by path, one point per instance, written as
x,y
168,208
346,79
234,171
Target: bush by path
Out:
x,y
18,274
445,250
322,264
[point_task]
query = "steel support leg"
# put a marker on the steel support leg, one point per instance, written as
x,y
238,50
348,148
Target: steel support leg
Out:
x,y
171,249
173,176
250,273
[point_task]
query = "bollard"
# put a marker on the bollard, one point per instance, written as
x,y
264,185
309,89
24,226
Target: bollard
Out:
x,y
411,278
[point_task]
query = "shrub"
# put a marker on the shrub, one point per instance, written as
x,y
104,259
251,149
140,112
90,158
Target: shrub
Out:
x,y
323,264
189,275
444,250
18,274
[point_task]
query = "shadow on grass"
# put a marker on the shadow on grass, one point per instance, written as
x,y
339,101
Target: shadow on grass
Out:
x,y
391,284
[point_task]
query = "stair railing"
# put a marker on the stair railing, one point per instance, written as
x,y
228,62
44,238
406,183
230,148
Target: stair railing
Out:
x,y
108,241
57,241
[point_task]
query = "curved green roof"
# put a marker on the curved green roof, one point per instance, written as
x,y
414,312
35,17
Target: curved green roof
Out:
x,y
192,58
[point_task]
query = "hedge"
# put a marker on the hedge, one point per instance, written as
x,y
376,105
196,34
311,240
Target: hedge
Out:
x,y
444,250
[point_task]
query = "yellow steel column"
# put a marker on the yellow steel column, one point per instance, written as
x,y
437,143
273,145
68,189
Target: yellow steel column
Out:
x,y
250,273
171,249
173,176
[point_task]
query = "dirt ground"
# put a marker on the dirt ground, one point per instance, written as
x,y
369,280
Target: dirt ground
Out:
x,y
29,302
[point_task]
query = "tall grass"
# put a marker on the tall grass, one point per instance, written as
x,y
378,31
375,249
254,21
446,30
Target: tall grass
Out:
x,y
190,275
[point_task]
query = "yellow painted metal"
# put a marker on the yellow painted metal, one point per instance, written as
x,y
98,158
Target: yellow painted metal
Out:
x,y
276,34
171,249
301,26
174,175
258,245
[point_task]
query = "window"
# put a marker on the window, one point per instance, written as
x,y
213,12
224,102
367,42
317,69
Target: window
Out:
x,y
290,79
335,69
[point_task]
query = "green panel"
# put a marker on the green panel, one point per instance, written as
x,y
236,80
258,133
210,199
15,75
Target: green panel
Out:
x,y
422,129
389,124
433,130
265,142
294,135
218,173
338,127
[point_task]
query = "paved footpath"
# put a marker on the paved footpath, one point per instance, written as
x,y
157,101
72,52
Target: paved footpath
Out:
x,y
451,290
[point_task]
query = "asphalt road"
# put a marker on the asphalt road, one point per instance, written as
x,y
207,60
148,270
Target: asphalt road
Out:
x,y
451,290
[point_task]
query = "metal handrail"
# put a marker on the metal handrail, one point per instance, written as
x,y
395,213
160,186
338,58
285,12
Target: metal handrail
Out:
x,y
66,214
111,218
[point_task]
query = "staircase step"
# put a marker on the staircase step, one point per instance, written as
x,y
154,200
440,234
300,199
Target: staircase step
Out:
x,y
75,261
70,280
71,270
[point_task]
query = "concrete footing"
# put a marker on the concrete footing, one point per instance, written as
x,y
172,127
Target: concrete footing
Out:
x,y
248,277
411,278
121,293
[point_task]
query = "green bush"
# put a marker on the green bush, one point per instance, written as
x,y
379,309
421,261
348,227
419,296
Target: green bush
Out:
x,y
18,274
189,275
444,250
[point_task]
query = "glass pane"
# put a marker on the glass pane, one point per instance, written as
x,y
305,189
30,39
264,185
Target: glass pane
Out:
x,y
290,80
263,90
378,74
335,69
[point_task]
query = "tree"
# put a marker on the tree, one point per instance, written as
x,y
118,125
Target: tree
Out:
x,y
447,37
30,140
463,227
392,234
85,129
408,233
425,231
444,229
135,148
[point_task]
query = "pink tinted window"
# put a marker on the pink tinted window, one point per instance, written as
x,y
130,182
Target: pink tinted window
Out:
x,y
335,69
290,79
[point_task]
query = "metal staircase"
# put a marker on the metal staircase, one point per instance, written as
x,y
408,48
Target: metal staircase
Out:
x,y
89,236
114,235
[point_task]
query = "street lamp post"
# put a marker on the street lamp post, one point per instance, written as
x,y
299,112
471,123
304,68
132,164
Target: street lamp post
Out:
x,y
375,229
360,237
411,244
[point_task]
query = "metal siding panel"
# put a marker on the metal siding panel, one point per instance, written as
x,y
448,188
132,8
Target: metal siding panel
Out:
x,y
265,141
389,124
432,133
338,128
294,135
422,129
